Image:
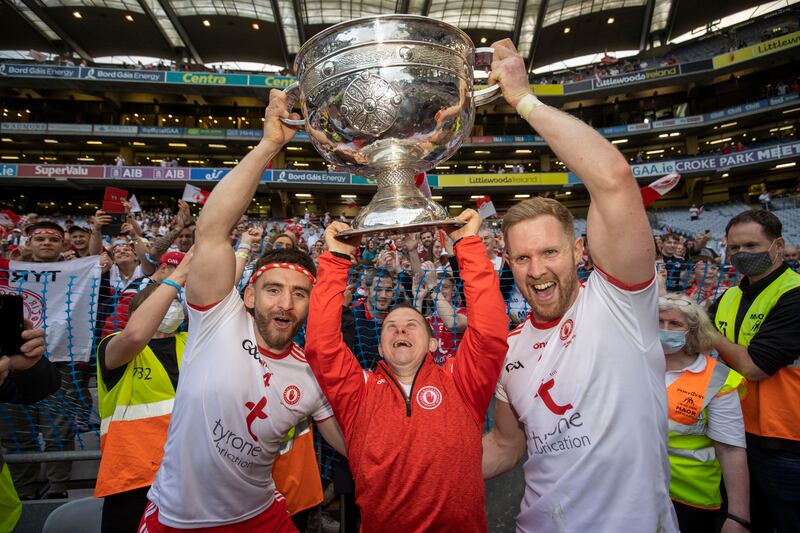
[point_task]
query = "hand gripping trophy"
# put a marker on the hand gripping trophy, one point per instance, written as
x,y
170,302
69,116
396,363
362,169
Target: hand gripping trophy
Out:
x,y
388,97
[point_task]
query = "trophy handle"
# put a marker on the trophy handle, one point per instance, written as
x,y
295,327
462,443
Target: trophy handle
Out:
x,y
293,92
489,94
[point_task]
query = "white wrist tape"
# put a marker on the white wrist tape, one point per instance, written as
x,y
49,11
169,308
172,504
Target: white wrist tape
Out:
x,y
528,104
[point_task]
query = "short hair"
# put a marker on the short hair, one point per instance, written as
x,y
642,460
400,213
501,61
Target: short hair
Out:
x,y
670,237
45,224
287,255
770,224
700,338
141,296
385,273
534,208
405,304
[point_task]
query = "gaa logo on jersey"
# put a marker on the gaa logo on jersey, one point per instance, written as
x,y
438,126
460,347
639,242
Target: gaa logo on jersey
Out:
x,y
429,397
291,394
566,329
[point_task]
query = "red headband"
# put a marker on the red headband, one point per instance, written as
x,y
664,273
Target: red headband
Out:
x,y
46,231
290,266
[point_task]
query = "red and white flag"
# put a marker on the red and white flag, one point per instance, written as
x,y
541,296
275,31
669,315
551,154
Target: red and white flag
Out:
x,y
485,207
659,188
421,181
8,217
195,195
134,204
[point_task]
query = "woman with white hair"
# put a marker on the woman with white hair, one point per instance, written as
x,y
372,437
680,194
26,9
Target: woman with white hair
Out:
x,y
706,428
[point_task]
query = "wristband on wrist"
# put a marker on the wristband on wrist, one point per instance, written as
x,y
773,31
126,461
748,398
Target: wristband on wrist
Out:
x,y
150,259
172,284
244,246
739,520
243,255
528,104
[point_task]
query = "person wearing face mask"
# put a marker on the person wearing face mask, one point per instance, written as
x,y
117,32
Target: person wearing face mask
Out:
x,y
137,375
759,337
706,431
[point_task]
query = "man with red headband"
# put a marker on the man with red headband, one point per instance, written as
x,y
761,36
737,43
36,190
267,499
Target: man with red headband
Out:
x,y
244,383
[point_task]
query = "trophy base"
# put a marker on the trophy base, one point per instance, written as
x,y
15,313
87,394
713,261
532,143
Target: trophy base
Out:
x,y
448,224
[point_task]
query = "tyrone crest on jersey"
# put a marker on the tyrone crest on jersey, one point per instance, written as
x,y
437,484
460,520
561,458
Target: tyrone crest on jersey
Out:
x,y
291,394
429,397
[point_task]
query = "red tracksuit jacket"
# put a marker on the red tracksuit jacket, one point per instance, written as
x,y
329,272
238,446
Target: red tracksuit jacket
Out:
x,y
416,461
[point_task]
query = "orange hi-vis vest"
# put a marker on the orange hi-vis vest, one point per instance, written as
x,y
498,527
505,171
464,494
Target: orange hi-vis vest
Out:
x,y
295,470
770,407
696,472
135,416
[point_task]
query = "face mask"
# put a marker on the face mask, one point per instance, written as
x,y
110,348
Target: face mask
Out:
x,y
752,264
672,341
172,319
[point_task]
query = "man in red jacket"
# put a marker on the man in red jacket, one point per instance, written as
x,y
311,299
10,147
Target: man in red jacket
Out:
x,y
412,428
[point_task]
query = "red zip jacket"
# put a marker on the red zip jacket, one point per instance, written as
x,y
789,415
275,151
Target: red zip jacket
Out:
x,y
416,460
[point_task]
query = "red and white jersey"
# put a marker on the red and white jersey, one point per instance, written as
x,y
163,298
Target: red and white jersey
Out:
x,y
234,405
589,390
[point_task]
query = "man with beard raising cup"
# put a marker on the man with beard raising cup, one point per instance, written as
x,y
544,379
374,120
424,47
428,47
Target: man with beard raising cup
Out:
x,y
244,383
583,381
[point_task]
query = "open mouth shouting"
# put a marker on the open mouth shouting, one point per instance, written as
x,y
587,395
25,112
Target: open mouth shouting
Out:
x,y
282,322
544,292
402,343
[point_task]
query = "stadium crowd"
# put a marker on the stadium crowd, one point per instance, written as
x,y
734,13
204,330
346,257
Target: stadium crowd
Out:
x,y
240,335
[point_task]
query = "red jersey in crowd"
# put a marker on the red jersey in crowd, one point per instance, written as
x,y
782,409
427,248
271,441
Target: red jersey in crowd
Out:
x,y
447,339
416,456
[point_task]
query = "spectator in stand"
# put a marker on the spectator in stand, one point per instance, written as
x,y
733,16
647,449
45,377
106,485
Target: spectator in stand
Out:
x,y
694,212
369,313
370,254
25,379
791,254
706,430
705,286
739,146
181,236
766,200
447,319
284,240
119,161
487,236
670,255
388,411
137,372
759,337
56,422
85,242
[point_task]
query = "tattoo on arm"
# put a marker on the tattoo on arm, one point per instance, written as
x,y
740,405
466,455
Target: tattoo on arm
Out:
x,y
162,244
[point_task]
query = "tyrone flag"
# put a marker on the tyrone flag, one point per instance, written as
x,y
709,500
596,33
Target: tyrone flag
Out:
x,y
195,195
659,188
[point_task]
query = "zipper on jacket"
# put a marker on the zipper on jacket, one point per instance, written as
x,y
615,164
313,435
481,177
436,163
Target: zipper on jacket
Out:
x,y
407,399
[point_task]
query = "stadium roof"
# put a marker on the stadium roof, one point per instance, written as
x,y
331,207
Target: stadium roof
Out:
x,y
272,31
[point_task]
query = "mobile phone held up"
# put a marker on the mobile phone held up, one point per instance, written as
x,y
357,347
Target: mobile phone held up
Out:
x,y
13,324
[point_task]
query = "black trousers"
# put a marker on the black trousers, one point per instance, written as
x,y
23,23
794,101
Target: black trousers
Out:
x,y
696,520
123,511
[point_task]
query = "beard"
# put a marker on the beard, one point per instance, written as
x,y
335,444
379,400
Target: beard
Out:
x,y
565,289
275,338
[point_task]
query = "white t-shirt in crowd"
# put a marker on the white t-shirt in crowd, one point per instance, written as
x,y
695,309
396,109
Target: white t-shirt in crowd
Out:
x,y
725,422
119,283
589,390
233,407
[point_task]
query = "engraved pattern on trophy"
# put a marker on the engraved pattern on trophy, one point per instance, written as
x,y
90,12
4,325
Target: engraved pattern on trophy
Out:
x,y
370,103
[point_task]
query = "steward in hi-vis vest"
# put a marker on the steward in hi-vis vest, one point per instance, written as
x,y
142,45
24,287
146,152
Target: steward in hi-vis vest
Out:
x,y
758,326
137,376
706,430
696,472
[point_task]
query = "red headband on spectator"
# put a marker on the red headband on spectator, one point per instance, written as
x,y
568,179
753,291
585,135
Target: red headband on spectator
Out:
x,y
46,231
290,266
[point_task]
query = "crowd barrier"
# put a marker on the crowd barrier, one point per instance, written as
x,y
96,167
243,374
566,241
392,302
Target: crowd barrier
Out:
x,y
77,306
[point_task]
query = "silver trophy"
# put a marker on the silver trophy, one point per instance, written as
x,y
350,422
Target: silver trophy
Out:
x,y
387,98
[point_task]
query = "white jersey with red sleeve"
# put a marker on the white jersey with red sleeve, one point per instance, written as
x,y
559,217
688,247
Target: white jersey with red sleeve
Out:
x,y
234,404
589,391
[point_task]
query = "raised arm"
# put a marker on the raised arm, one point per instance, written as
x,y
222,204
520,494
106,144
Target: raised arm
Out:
x,y
250,238
617,226
480,355
212,277
336,369
144,322
96,240
162,243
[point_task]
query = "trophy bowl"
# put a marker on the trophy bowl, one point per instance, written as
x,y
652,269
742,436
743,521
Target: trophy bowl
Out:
x,y
386,98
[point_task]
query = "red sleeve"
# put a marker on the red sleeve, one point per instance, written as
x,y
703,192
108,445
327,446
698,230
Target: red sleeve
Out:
x,y
339,375
480,355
